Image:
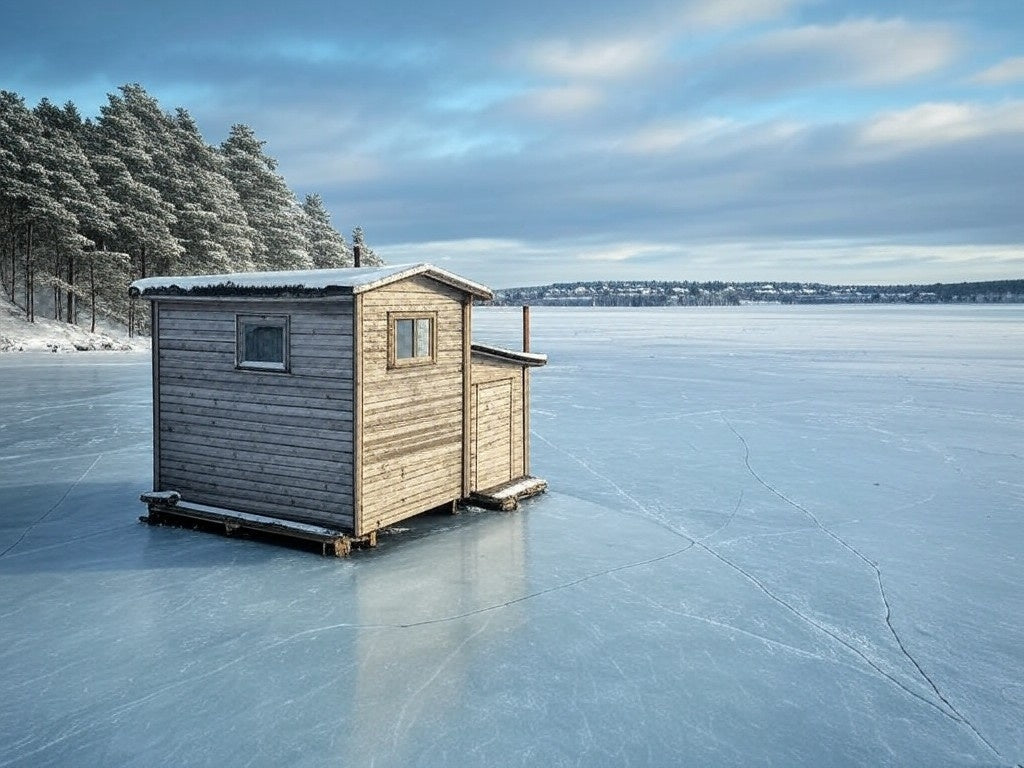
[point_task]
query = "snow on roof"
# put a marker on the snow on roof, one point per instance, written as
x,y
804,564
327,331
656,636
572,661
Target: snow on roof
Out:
x,y
346,280
524,358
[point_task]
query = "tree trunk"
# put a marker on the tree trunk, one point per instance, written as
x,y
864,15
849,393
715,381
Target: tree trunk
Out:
x,y
14,263
72,302
29,278
92,294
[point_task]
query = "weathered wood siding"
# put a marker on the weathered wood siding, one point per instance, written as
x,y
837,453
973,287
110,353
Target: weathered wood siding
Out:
x,y
497,447
267,442
412,415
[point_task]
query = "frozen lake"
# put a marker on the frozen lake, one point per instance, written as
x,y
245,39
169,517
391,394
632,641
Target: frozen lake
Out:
x,y
774,536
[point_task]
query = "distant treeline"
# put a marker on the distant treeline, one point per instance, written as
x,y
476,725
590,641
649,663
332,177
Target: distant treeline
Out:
x,y
656,293
87,206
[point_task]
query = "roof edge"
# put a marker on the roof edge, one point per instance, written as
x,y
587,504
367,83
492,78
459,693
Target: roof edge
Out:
x,y
429,270
298,283
531,359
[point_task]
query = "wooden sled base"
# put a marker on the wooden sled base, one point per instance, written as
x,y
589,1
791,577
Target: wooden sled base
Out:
x,y
508,495
166,508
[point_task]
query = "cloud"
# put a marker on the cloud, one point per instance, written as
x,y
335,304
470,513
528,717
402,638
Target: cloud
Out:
x,y
626,252
724,13
1007,71
557,102
941,123
863,51
665,137
602,59
822,260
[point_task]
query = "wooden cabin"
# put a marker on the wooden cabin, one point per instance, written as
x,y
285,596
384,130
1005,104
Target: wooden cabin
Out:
x,y
329,404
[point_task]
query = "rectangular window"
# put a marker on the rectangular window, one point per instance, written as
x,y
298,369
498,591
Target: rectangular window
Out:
x,y
262,342
411,338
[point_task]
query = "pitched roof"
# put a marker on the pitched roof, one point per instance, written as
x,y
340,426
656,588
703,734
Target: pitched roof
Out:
x,y
310,282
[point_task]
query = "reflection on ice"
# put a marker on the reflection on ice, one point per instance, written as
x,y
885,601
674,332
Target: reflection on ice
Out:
x,y
698,588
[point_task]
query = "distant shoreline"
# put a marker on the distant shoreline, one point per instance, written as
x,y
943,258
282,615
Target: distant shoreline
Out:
x,y
655,293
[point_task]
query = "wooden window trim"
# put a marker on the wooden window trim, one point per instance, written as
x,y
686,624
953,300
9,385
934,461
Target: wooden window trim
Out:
x,y
281,321
394,361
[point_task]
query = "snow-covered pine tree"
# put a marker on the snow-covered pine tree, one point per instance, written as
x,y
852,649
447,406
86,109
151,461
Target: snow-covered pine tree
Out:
x,y
132,157
123,155
15,187
269,204
212,224
76,184
327,246
36,203
367,257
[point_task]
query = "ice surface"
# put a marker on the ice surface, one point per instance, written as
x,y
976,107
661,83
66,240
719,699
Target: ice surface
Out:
x,y
774,536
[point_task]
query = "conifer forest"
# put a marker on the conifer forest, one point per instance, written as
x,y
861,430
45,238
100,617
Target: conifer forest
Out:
x,y
89,205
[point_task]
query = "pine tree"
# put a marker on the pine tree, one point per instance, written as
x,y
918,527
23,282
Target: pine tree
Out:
x,y
35,204
327,246
131,164
76,184
86,207
269,205
212,224
367,257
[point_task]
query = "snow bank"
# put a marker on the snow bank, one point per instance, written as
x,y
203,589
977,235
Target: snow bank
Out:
x,y
47,334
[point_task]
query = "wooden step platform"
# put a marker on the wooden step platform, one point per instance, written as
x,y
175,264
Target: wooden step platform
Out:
x,y
166,507
508,495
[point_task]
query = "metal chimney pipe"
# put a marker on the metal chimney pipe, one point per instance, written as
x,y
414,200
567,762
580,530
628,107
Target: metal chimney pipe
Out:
x,y
526,328
357,255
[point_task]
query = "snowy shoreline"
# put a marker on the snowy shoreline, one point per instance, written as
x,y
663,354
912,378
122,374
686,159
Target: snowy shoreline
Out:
x,y
49,335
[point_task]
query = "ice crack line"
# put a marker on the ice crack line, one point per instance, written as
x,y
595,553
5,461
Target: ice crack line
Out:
x,y
950,713
953,711
57,504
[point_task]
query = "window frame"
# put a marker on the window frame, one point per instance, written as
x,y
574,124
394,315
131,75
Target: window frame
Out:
x,y
394,361
264,366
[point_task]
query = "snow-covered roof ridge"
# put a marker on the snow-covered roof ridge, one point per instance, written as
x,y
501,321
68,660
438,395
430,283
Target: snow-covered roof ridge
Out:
x,y
526,358
343,280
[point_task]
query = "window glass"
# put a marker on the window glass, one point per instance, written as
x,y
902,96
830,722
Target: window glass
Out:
x,y
423,337
404,338
264,344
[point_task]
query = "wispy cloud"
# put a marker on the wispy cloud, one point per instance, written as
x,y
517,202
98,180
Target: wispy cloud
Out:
x,y
1007,71
864,51
943,122
726,13
665,137
557,102
601,59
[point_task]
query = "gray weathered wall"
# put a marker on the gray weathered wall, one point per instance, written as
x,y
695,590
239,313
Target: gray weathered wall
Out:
x,y
271,443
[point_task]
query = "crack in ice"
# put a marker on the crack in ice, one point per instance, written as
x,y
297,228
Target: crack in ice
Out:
x,y
953,712
57,504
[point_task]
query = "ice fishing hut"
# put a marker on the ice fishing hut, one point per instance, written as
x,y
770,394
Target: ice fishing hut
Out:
x,y
329,404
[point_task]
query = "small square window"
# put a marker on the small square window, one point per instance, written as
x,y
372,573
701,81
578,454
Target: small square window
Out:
x,y
262,342
411,339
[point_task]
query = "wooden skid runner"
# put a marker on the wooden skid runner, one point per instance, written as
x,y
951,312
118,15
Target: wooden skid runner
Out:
x,y
167,507
508,495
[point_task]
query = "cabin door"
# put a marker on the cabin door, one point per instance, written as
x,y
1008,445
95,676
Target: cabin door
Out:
x,y
492,434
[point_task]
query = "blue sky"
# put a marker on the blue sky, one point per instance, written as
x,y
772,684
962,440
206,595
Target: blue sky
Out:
x,y
540,141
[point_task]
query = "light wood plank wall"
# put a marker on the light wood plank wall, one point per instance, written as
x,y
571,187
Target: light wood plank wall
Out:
x,y
272,443
411,416
488,468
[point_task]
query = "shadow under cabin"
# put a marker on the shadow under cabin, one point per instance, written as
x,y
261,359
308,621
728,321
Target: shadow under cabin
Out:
x,y
329,404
